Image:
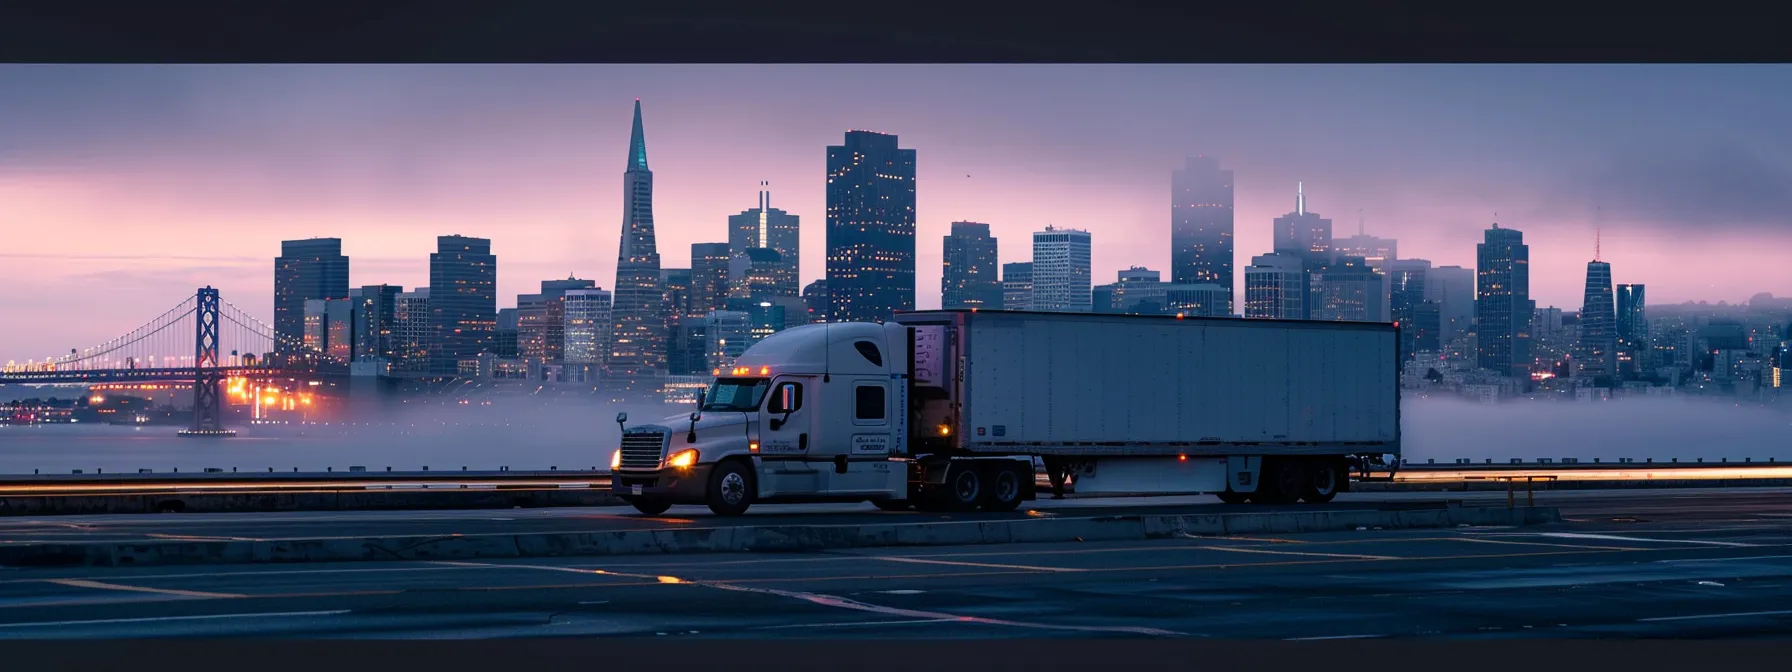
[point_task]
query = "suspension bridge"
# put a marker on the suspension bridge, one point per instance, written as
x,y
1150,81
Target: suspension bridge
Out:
x,y
204,340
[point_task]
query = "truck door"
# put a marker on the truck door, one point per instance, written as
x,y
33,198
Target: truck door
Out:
x,y
786,430
861,464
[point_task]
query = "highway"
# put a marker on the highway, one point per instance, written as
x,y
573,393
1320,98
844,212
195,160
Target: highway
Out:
x,y
1690,563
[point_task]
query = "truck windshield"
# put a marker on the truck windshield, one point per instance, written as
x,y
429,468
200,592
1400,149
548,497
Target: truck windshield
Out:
x,y
736,394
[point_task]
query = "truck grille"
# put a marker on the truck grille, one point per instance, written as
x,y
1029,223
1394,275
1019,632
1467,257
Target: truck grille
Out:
x,y
643,450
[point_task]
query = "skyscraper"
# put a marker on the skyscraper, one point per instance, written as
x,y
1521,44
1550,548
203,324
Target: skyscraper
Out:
x,y
587,320
815,296
1453,289
1503,303
637,361
1061,259
374,321
541,320
871,228
1633,331
1140,291
312,269
1596,351
1017,286
677,284
1203,299
766,227
1345,290
1407,279
970,274
710,268
411,331
1201,223
1303,233
1275,287
463,301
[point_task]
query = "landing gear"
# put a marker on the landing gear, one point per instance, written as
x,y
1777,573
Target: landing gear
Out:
x,y
651,507
730,489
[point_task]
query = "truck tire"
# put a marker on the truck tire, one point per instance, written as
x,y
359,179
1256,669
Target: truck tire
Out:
x,y
1284,479
730,489
964,487
1004,490
651,507
1325,478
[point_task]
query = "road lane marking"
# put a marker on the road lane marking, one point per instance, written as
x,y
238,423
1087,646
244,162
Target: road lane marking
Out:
x,y
1234,549
1745,557
1315,639
844,603
285,572
161,619
84,583
1741,614
1614,537
192,537
961,563
1544,543
857,624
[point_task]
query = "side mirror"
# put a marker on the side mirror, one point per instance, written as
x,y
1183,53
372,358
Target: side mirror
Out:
x,y
786,399
622,420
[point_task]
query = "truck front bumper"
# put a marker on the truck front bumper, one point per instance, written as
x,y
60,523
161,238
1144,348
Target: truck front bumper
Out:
x,y
681,486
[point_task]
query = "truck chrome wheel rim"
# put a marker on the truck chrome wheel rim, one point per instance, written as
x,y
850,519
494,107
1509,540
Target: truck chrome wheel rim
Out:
x,y
1324,480
733,488
966,486
1007,486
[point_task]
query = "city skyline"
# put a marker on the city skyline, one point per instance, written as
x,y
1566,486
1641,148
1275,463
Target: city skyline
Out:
x,y
215,214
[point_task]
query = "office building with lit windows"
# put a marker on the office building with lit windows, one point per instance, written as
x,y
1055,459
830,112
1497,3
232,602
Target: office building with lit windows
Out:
x,y
1201,223
870,228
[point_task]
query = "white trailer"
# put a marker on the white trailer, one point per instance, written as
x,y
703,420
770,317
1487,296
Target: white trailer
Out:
x,y
947,410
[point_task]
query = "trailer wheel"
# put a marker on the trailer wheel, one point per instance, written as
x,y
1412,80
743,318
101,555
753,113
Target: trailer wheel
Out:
x,y
1231,497
964,487
1324,479
651,507
1004,492
1283,481
730,489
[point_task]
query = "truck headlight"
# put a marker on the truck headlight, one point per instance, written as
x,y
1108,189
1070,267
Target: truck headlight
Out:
x,y
615,459
683,459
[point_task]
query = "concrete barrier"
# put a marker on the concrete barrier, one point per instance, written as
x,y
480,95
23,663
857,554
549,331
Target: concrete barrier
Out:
x,y
757,537
315,500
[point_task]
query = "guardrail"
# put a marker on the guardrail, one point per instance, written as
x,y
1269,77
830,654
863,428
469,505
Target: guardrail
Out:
x,y
1595,463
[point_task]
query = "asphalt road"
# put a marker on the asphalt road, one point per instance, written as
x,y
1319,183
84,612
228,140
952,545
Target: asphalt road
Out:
x,y
1590,504
1657,564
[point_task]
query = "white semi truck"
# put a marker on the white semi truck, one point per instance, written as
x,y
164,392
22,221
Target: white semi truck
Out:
x,y
947,409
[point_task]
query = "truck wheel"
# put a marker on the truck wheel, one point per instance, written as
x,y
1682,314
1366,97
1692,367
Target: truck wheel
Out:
x,y
964,487
651,507
730,489
1283,482
1004,493
891,504
1324,480
1231,497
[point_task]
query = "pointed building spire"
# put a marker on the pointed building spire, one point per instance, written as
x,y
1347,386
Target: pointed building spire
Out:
x,y
637,143
1300,198
1598,221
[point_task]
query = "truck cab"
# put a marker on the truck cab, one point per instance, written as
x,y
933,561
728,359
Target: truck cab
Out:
x,y
816,413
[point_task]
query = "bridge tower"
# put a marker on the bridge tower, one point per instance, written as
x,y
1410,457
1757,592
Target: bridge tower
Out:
x,y
208,407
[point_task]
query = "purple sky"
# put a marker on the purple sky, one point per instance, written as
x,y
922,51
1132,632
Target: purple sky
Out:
x,y
122,188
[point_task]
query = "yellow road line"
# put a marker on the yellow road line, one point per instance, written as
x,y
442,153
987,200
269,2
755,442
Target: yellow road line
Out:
x,y
84,583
